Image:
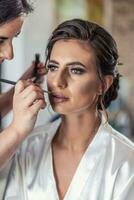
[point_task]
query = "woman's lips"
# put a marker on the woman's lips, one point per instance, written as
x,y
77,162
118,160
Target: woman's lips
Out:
x,y
59,98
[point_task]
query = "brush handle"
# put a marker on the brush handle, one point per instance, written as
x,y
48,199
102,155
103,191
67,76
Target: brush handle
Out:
x,y
14,83
37,61
7,81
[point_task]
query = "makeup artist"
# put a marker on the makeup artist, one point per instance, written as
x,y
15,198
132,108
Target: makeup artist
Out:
x,y
28,97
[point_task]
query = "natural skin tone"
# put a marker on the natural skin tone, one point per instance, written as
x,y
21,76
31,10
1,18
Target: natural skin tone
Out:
x,y
73,71
7,33
28,98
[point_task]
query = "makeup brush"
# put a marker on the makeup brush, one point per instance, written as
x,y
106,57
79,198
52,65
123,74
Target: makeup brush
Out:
x,y
14,83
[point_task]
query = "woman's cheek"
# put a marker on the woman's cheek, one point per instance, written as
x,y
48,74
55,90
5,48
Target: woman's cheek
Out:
x,y
86,89
49,83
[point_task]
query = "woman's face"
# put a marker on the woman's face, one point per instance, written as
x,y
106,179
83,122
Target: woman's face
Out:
x,y
8,31
72,77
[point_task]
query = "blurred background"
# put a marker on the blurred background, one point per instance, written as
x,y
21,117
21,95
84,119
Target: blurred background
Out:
x,y
117,16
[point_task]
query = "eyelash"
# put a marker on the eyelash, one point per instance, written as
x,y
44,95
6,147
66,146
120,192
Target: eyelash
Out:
x,y
74,70
2,41
51,67
77,70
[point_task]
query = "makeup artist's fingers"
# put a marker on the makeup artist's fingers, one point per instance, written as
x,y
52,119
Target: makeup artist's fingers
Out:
x,y
39,104
21,85
28,96
31,88
30,99
28,89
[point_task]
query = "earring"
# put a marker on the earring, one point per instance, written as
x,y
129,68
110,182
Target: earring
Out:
x,y
101,106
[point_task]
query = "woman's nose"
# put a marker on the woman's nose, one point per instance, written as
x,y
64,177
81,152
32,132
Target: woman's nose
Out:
x,y
60,80
7,52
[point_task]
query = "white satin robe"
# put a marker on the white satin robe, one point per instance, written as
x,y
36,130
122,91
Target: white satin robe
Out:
x,y
105,172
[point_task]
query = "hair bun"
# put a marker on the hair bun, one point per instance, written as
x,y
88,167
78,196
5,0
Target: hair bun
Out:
x,y
111,93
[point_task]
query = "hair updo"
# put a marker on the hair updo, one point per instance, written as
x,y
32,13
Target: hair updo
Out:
x,y
11,9
103,45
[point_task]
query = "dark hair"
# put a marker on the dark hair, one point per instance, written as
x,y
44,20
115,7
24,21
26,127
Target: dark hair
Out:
x,y
11,9
103,45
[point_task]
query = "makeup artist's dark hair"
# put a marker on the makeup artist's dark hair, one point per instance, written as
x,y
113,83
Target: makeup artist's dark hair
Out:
x,y
103,45
11,9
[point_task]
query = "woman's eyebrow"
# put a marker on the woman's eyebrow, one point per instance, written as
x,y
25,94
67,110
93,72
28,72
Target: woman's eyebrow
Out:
x,y
76,63
6,38
53,62
68,64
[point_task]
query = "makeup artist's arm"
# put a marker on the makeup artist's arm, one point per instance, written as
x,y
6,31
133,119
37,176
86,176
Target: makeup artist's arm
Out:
x,y
27,101
6,102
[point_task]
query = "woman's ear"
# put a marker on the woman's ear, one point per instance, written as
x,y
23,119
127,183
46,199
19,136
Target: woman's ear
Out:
x,y
108,82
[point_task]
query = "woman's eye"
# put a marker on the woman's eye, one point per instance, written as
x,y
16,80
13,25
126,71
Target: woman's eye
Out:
x,y
52,68
1,41
78,71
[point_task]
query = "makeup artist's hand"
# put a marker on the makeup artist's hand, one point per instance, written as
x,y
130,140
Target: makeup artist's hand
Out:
x,y
7,97
27,101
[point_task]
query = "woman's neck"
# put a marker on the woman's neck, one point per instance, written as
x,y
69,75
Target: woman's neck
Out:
x,y
77,131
